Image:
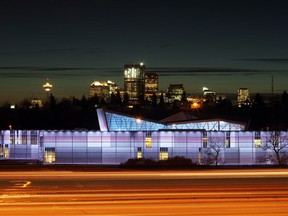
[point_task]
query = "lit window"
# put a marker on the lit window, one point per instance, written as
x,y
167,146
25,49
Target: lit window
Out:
x,y
139,153
163,153
257,140
6,151
50,156
1,151
148,140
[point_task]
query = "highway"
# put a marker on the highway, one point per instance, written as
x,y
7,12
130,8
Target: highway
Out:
x,y
145,193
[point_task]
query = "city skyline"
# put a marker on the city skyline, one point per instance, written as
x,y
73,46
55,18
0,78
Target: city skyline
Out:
x,y
222,45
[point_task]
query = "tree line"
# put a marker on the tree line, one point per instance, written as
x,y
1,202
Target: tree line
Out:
x,y
73,113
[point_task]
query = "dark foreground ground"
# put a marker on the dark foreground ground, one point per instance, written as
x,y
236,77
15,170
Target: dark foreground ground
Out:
x,y
31,165
35,166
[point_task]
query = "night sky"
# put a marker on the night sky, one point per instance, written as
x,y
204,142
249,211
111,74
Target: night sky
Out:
x,y
221,44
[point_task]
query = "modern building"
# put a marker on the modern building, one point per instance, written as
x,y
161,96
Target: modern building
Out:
x,y
134,81
175,92
151,84
209,95
122,137
102,90
243,98
113,87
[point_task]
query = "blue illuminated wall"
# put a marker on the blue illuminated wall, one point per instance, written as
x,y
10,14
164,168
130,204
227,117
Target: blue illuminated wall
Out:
x,y
96,147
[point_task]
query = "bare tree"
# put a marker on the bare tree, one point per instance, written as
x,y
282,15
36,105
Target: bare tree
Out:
x,y
212,154
277,142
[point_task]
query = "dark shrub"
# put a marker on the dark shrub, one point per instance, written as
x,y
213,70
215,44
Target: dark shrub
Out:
x,y
139,162
176,161
150,163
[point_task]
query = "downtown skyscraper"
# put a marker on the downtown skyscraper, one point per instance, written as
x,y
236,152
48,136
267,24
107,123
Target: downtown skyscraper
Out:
x,y
134,81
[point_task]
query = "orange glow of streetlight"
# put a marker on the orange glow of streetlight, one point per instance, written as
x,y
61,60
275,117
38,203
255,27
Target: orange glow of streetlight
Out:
x,y
195,105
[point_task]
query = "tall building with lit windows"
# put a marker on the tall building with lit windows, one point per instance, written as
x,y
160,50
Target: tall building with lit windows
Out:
x,y
243,98
99,89
102,90
175,92
209,95
134,82
151,84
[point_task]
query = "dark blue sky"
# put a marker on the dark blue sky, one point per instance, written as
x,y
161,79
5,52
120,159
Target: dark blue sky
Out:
x,y
223,44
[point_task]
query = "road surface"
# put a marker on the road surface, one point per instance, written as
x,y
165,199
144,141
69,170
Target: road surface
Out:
x,y
146,193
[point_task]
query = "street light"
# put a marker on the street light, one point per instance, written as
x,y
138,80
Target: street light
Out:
x,y
13,107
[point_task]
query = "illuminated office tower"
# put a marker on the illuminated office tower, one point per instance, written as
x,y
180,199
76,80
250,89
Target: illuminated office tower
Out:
x,y
243,98
102,90
99,89
112,86
209,95
151,84
134,82
175,92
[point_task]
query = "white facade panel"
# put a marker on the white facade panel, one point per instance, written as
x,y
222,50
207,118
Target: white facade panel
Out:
x,y
95,147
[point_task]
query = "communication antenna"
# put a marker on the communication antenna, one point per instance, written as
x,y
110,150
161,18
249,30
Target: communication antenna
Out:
x,y
272,86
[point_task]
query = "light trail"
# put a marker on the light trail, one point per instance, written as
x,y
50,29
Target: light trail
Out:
x,y
152,174
150,193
